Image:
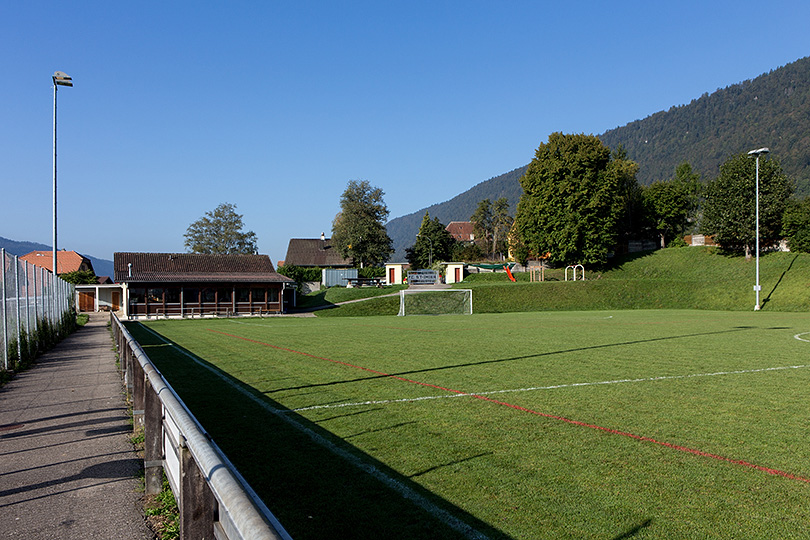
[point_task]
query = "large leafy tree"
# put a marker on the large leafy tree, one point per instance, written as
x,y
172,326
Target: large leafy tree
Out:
x,y
358,231
574,202
220,232
433,244
482,222
672,205
501,225
729,212
796,225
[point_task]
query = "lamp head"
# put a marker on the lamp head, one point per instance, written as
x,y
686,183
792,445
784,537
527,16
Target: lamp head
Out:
x,y
60,78
759,152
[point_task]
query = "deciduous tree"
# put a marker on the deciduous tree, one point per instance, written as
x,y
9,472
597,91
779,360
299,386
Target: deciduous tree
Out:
x,y
574,199
729,212
358,231
671,205
796,225
220,232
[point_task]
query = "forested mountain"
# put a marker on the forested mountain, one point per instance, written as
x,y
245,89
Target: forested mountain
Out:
x,y
772,110
402,230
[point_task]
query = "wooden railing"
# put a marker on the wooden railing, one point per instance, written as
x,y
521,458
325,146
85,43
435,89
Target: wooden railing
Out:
x,y
213,499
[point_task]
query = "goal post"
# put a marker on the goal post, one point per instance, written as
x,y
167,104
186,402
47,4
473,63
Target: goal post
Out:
x,y
435,302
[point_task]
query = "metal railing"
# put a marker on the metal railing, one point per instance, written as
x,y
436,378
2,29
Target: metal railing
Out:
x,y
212,497
31,298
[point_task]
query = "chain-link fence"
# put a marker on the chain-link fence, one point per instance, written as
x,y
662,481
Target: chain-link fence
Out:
x,y
35,309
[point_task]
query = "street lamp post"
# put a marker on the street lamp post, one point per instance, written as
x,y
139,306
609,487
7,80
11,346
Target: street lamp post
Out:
x,y
430,253
60,78
757,153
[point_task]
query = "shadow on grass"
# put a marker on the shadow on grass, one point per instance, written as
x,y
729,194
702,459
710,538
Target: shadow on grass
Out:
x,y
317,485
512,359
768,298
634,531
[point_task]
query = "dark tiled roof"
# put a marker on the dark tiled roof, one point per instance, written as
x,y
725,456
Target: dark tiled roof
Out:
x,y
314,252
194,267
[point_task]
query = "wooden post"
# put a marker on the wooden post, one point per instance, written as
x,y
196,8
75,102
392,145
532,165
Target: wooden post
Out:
x,y
198,507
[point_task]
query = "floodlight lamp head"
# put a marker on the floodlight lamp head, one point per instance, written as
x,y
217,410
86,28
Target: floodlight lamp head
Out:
x,y
60,78
759,152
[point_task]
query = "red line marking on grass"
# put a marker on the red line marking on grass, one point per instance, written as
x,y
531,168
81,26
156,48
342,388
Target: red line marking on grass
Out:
x,y
694,451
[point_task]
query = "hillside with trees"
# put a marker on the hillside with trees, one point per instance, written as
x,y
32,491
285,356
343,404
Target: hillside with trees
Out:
x,y
772,110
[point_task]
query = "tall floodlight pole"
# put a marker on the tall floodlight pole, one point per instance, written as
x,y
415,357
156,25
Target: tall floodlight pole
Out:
x,y
757,153
60,78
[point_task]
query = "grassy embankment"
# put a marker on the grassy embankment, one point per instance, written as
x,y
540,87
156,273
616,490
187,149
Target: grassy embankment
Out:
x,y
678,278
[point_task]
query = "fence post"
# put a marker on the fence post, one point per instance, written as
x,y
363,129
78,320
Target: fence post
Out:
x,y
17,297
197,503
3,288
136,385
153,436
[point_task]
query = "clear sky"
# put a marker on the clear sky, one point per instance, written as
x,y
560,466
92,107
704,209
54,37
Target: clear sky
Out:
x,y
275,105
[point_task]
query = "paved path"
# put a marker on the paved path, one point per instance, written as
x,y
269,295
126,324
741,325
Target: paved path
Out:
x,y
67,468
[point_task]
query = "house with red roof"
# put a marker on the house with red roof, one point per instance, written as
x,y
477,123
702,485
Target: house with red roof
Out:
x,y
66,261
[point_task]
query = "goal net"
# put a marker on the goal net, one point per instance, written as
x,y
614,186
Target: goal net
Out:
x,y
435,302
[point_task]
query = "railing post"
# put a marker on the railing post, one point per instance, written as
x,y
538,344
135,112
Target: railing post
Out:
x,y
198,507
138,393
153,439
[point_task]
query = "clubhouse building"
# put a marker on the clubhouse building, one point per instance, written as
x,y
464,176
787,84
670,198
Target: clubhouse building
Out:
x,y
200,285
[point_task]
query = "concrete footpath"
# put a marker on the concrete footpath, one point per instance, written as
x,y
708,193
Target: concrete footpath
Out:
x,y
67,468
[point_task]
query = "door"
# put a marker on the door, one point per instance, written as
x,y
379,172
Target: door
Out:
x,y
116,300
391,276
87,301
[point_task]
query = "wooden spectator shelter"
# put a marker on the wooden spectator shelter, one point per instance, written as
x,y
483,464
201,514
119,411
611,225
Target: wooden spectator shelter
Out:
x,y
195,285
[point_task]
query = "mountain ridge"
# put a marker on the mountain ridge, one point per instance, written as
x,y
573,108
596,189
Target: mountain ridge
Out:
x,y
770,110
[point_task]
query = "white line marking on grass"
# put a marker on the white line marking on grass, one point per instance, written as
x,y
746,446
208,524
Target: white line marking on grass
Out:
x,y
554,387
405,491
802,339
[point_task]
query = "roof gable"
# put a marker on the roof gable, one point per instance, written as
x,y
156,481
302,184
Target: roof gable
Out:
x,y
66,261
314,252
461,230
194,267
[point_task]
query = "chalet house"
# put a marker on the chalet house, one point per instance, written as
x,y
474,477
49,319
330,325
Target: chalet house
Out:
x,y
66,261
462,231
193,284
315,253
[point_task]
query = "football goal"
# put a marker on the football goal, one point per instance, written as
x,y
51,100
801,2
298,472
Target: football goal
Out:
x,y
435,302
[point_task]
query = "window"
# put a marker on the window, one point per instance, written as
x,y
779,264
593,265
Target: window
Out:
x,y
272,295
224,296
258,296
137,296
173,295
155,296
243,295
191,296
209,295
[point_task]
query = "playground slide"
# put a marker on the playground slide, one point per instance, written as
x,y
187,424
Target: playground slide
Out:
x,y
509,272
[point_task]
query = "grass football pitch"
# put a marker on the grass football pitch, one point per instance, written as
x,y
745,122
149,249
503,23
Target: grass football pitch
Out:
x,y
598,424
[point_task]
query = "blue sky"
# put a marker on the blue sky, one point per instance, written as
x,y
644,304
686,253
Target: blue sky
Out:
x,y
275,105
